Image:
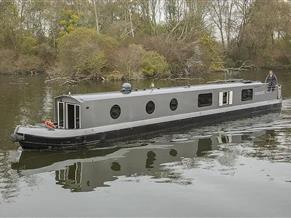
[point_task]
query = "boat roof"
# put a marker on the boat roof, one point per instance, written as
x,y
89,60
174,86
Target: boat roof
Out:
x,y
156,91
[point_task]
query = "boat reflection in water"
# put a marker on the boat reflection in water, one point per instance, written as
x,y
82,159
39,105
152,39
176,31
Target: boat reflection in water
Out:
x,y
86,170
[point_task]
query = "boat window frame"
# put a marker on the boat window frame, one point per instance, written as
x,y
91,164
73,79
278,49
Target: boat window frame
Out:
x,y
115,106
205,105
75,120
154,107
175,106
58,114
247,99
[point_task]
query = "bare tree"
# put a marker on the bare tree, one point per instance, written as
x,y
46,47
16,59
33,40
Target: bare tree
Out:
x,y
96,15
221,14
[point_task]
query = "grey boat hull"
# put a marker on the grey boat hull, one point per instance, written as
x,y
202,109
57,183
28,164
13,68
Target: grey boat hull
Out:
x,y
106,139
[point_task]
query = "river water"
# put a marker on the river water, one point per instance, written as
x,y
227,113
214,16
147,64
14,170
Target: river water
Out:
x,y
236,168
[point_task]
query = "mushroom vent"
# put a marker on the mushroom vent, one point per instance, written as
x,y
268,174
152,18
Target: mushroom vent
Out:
x,y
126,88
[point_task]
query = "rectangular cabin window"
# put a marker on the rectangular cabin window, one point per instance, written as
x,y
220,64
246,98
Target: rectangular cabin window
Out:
x,y
60,115
73,116
225,98
77,117
205,100
247,94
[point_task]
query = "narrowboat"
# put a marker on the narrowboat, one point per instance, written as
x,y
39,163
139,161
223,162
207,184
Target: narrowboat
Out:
x,y
98,119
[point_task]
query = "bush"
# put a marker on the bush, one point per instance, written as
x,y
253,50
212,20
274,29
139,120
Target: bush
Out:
x,y
128,61
28,45
176,52
154,65
135,62
7,57
11,62
83,52
46,53
210,56
92,64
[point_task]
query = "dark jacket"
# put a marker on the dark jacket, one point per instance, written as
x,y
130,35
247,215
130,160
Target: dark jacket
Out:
x,y
272,81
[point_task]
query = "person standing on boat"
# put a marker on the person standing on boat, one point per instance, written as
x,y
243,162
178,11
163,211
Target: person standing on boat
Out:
x,y
272,81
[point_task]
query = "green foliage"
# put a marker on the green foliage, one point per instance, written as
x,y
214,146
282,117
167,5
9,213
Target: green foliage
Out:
x,y
68,21
128,61
83,51
91,64
9,24
264,39
46,52
139,38
153,65
22,64
28,45
282,52
135,62
210,53
176,52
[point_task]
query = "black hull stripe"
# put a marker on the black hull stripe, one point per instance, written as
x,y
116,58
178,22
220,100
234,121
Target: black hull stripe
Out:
x,y
106,138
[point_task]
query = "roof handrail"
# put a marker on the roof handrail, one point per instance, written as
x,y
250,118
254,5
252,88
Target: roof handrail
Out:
x,y
226,81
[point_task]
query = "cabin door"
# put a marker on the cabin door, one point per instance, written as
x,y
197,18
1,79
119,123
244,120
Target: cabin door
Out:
x,y
61,114
225,98
73,116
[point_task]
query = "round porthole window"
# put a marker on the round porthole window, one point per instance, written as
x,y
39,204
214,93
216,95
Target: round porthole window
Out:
x,y
173,104
150,107
115,111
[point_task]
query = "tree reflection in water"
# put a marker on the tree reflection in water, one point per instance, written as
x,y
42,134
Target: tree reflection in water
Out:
x,y
8,178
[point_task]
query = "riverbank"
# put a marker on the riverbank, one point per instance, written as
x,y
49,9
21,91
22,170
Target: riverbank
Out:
x,y
12,62
57,78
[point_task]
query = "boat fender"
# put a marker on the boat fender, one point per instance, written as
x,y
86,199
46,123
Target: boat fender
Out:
x,y
49,124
